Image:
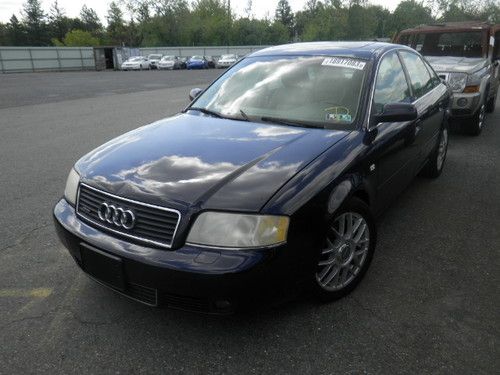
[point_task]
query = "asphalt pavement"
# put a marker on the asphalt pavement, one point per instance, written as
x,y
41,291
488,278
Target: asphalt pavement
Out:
x,y
429,303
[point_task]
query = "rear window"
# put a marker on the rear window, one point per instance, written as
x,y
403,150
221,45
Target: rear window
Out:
x,y
458,44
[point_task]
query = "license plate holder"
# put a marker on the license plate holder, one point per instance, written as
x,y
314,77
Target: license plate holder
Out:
x,y
102,266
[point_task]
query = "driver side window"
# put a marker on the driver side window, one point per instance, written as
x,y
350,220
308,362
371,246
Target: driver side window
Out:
x,y
391,85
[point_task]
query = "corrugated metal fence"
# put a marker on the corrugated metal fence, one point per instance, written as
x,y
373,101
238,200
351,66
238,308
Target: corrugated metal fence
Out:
x,y
33,59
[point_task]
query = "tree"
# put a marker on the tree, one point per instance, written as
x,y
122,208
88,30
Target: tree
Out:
x,y
34,20
90,21
410,13
116,25
3,34
16,32
58,22
80,38
284,15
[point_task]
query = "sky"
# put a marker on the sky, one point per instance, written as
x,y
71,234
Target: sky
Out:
x,y
261,8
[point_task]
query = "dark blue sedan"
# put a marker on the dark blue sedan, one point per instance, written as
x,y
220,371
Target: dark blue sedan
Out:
x,y
197,62
267,183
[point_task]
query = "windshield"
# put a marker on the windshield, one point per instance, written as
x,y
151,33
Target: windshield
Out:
x,y
135,59
168,58
228,57
155,57
458,44
197,58
320,91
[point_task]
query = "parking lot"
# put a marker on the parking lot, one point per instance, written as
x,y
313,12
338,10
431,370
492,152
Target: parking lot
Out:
x,y
428,304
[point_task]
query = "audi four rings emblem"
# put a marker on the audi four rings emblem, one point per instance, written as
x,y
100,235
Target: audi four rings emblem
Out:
x,y
116,215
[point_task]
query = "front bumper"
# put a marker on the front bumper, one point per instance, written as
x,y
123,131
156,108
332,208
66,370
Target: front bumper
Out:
x,y
465,105
188,278
131,67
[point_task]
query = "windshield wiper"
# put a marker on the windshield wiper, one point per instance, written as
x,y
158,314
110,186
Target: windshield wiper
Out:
x,y
220,115
284,121
206,111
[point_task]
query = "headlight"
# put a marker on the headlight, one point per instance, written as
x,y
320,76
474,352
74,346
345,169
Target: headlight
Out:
x,y
457,81
71,187
238,230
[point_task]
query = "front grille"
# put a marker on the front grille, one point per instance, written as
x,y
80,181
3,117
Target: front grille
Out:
x,y
154,225
185,303
142,293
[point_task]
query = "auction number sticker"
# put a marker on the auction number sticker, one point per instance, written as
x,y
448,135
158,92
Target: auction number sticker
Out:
x,y
344,63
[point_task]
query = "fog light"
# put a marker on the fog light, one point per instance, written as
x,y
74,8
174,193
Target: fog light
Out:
x,y
222,304
462,102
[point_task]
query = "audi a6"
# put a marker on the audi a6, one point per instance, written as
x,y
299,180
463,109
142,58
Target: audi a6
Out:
x,y
268,183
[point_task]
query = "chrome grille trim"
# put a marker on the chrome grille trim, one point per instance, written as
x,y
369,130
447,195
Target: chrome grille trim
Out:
x,y
121,233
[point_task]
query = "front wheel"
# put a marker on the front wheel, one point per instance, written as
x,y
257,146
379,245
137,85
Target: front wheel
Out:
x,y
348,249
476,123
435,164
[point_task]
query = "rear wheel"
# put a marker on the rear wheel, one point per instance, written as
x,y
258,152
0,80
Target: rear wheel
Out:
x,y
348,249
435,164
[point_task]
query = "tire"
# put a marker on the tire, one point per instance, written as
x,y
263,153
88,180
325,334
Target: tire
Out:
x,y
475,125
490,104
343,261
435,164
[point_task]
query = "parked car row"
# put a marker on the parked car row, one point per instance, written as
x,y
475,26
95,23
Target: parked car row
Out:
x,y
171,62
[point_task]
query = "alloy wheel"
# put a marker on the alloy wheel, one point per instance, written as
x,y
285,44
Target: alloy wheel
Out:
x,y
346,251
442,148
482,115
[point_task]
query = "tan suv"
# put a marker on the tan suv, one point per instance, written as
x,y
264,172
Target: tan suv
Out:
x,y
467,56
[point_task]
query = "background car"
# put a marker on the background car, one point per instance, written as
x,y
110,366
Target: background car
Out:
x,y
136,63
183,62
225,61
197,62
211,61
154,59
169,62
467,56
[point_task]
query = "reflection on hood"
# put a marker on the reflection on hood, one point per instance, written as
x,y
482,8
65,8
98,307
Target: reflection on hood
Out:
x,y
199,160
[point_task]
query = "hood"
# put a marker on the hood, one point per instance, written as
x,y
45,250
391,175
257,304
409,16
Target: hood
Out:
x,y
456,64
196,160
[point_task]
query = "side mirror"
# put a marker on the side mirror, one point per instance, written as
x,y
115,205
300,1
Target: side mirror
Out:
x,y
396,112
194,93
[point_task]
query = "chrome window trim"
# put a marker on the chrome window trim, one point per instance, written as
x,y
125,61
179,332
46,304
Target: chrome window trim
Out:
x,y
141,239
372,94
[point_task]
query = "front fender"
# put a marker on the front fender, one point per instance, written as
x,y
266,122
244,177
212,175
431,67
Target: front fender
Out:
x,y
327,181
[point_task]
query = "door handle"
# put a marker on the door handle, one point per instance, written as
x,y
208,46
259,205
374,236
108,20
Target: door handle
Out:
x,y
418,126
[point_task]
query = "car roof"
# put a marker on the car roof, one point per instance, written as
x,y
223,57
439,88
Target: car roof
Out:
x,y
449,26
363,50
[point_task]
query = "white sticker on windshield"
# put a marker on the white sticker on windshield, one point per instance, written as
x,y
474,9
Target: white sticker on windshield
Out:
x,y
344,62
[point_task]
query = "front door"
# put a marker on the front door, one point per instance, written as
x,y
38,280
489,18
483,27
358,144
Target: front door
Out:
x,y
394,150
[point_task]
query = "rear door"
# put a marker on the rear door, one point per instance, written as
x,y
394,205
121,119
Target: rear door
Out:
x,y
429,97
